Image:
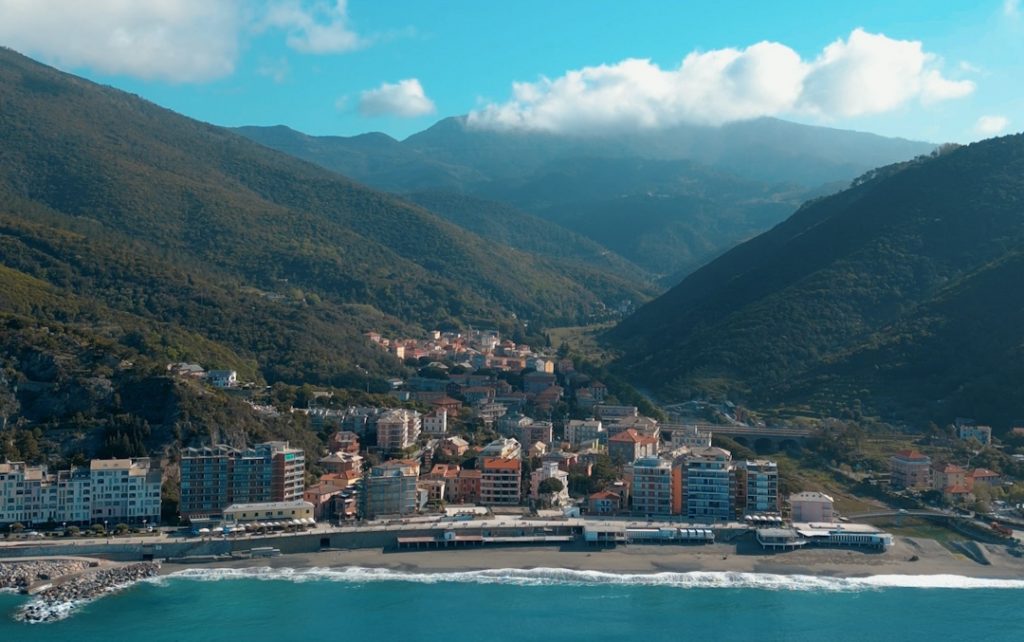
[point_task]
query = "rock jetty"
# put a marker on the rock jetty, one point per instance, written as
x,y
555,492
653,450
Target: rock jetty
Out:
x,y
58,601
20,575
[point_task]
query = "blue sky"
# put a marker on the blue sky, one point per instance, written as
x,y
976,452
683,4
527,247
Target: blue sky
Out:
x,y
937,71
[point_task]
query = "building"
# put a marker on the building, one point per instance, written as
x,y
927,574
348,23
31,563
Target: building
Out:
x,y
390,489
604,411
436,422
652,486
948,476
214,477
643,425
397,430
542,431
981,433
503,449
511,424
761,487
911,470
550,470
341,462
629,445
500,481
222,378
454,447
581,431
811,508
110,490
691,436
270,511
467,487
708,484
125,490
344,441
604,502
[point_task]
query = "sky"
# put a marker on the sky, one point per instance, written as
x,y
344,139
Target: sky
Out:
x,y
926,70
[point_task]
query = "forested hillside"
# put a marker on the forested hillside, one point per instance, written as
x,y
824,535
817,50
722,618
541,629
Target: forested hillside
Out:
x,y
900,295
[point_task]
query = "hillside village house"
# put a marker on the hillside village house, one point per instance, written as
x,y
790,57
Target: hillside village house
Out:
x,y
911,470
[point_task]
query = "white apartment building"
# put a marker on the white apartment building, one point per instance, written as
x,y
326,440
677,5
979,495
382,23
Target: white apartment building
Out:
x,y
397,430
110,490
761,487
709,485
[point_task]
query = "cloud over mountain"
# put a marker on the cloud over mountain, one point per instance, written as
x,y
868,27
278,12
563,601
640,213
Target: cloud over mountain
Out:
x,y
405,98
861,75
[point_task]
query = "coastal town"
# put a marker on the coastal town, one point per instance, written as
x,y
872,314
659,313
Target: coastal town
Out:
x,y
490,444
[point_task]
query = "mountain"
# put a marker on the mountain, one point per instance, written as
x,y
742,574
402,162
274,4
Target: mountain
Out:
x,y
179,240
899,296
667,200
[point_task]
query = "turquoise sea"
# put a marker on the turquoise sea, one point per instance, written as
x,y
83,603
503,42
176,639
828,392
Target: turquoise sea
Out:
x,y
368,604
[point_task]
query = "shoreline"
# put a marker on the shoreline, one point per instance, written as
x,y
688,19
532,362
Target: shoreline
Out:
x,y
932,559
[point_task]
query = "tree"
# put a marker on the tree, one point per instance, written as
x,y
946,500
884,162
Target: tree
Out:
x,y
550,486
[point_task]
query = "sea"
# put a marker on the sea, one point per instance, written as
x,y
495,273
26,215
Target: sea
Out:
x,y
258,605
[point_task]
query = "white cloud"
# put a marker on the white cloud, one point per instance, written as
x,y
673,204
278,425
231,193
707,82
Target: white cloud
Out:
x,y
991,125
319,28
1011,8
174,40
864,74
405,98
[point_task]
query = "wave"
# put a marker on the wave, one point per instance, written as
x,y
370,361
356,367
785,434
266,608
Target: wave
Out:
x,y
570,577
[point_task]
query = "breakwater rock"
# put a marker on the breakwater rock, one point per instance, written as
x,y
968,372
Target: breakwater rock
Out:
x,y
59,601
20,575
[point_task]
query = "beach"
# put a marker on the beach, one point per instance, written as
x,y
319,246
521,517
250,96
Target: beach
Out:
x,y
929,558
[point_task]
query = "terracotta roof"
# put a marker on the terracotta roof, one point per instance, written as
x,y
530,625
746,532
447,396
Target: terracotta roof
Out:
x,y
911,454
604,494
500,463
983,472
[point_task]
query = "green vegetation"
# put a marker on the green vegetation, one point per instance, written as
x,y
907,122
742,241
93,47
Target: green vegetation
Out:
x,y
898,298
667,200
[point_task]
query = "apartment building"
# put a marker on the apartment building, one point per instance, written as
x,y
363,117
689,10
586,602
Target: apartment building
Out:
x,y
708,484
500,481
390,489
652,486
397,430
110,490
761,487
214,477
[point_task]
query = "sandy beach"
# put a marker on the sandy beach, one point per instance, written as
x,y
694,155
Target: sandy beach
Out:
x,y
931,559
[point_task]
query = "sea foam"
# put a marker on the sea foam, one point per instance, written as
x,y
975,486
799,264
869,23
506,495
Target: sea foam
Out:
x,y
570,577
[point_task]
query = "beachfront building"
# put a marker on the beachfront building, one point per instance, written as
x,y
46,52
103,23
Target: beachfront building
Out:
x,y
110,490
761,487
708,484
214,477
125,490
652,486
811,507
550,470
291,512
397,430
911,470
500,481
390,489
604,502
